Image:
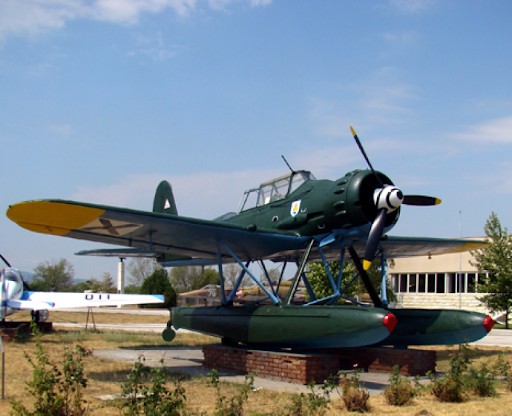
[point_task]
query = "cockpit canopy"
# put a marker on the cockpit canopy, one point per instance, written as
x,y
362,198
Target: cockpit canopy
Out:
x,y
12,275
274,190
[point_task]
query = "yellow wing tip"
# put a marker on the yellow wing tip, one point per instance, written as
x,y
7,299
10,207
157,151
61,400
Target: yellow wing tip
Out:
x,y
438,201
366,264
353,131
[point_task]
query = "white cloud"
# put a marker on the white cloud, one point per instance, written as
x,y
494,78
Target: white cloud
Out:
x,y
402,40
61,129
203,194
498,131
378,103
412,6
154,47
221,4
33,17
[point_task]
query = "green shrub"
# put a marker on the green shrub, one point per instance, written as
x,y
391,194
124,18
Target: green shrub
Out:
x,y
55,391
312,403
503,367
453,386
233,406
401,390
153,399
355,398
481,381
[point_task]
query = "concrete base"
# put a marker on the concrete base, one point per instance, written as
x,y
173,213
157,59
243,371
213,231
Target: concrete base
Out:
x,y
9,330
304,367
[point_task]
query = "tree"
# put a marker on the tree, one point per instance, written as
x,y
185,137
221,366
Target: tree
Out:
x,y
105,285
188,278
140,268
209,277
496,260
158,284
231,271
320,283
53,276
322,286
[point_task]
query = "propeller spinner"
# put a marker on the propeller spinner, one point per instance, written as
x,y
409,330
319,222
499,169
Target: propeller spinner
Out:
x,y
387,199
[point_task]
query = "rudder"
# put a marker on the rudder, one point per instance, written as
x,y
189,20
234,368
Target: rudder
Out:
x,y
164,199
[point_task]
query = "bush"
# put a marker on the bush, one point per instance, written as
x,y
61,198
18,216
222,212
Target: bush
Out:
x,y
154,399
453,386
312,403
482,381
400,391
354,396
233,406
55,391
503,367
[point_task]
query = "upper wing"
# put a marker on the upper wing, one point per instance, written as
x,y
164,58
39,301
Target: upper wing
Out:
x,y
190,241
161,233
64,300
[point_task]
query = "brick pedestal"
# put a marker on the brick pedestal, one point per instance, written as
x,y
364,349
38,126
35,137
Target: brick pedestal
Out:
x,y
276,365
304,367
382,360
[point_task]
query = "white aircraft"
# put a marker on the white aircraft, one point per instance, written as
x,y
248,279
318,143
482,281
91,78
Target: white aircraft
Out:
x,y
14,298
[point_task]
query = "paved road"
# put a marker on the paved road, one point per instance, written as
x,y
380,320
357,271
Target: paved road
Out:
x,y
496,338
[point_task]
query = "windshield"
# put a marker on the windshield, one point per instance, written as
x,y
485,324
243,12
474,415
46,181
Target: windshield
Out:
x,y
274,190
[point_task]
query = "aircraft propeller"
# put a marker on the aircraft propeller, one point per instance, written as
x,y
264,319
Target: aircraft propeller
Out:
x,y
387,199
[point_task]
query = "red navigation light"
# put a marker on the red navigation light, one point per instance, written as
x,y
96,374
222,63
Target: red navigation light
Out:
x,y
488,323
389,322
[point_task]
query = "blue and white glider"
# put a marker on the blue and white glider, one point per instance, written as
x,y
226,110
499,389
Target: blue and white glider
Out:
x,y
14,298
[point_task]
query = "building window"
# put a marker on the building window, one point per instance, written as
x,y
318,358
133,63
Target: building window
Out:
x,y
412,283
421,283
472,282
431,283
451,283
403,283
440,283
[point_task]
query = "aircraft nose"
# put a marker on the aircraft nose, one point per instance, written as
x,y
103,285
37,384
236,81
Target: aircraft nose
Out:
x,y
390,197
390,321
488,324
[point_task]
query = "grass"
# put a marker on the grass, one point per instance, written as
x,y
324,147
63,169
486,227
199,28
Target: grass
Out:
x,y
105,377
99,317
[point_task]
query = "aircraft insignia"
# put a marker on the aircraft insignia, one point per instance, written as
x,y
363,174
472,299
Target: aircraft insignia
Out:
x,y
295,208
110,227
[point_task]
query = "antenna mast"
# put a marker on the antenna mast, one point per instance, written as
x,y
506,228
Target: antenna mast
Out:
x,y
287,164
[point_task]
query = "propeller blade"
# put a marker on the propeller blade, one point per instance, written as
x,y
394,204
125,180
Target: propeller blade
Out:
x,y
361,148
374,238
420,200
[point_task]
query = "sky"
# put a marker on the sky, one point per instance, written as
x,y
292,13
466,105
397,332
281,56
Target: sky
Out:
x,y
102,99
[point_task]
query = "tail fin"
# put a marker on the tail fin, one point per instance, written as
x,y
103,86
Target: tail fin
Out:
x,y
164,199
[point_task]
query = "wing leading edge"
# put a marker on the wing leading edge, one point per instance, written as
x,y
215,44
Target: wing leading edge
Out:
x,y
155,232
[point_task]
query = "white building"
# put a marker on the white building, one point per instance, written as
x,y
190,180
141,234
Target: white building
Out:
x,y
433,282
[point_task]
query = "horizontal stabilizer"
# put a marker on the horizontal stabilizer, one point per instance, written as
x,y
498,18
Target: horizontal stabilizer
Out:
x,y
119,252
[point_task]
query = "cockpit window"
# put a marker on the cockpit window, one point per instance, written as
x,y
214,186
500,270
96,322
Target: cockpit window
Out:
x,y
274,190
11,275
299,178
